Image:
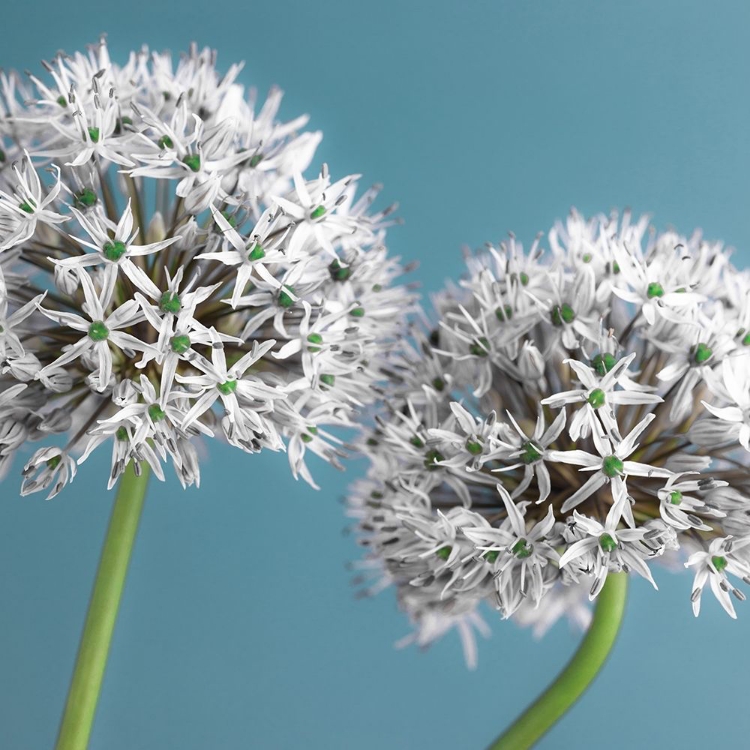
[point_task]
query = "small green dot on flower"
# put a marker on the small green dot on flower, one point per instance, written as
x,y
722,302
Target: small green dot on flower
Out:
x,y
94,134
285,298
719,562
54,462
491,555
654,289
165,142
256,253
431,459
27,206
504,313
438,384
62,101
180,343
317,212
444,552
227,387
522,549
480,347
193,161
339,272
562,314
596,398
98,331
417,441
612,467
357,312
702,353
530,452
85,198
114,250
675,497
328,380
156,413
170,302
607,543
603,363
474,447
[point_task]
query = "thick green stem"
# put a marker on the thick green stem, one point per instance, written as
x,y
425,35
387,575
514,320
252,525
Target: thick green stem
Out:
x,y
91,661
579,673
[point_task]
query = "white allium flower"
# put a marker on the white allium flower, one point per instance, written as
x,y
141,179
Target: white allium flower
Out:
x,y
604,383
168,274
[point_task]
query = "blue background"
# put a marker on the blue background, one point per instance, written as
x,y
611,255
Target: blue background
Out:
x,y
239,627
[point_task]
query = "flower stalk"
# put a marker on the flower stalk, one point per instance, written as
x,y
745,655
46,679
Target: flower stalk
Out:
x,y
83,695
579,673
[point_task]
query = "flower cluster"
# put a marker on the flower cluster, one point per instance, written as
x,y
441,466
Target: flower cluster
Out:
x,y
166,273
578,409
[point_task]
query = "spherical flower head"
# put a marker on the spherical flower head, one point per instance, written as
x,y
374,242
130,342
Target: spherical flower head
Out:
x,y
593,416
168,275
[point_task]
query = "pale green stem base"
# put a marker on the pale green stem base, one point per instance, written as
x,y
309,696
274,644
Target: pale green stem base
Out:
x,y
91,661
580,671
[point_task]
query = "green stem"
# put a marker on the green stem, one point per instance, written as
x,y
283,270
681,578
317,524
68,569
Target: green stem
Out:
x,y
91,661
579,673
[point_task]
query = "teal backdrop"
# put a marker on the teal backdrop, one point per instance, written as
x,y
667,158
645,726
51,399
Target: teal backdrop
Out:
x,y
239,627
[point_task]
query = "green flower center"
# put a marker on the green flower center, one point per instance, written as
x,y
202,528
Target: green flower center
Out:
x,y
307,437
62,101
165,142
531,452
586,257
114,250
438,384
193,161
444,552
675,497
256,253
522,549
156,413
94,134
615,268
227,387
180,343
524,278
654,289
285,299
54,462
253,161
746,340
504,313
339,272
417,442
98,331
596,398
121,434
357,312
607,543
170,302
431,459
702,353
480,347
474,447
328,380
612,467
562,314
86,198
317,212
719,562
314,338
491,555
27,206
603,363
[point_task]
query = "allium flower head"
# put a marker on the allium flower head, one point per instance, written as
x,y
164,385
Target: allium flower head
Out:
x,y
575,411
167,273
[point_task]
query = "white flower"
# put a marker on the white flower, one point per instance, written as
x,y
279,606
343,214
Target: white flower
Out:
x,y
634,340
713,565
153,291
